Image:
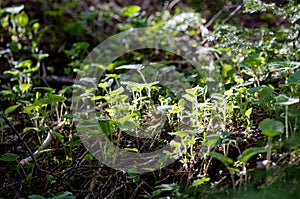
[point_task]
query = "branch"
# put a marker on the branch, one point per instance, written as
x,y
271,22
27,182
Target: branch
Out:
x,y
52,79
46,142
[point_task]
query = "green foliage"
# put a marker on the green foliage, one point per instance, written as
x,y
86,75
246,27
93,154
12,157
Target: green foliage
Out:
x,y
217,134
271,127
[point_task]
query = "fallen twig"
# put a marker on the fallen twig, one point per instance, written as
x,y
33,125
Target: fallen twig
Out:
x,y
46,142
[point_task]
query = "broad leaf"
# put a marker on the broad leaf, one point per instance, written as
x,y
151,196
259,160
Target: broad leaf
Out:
x,y
200,181
11,109
211,141
24,87
9,157
250,152
294,79
225,160
130,10
270,127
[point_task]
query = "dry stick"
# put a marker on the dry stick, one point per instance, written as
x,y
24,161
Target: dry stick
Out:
x,y
51,79
31,157
46,142
215,17
115,190
22,140
173,3
224,21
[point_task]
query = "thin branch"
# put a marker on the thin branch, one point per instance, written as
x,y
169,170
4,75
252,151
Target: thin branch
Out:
x,y
22,140
46,142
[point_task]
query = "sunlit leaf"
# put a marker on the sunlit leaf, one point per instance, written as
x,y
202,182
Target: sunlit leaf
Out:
x,y
26,64
23,18
130,10
28,109
40,57
248,112
200,181
131,150
24,87
31,128
117,91
48,89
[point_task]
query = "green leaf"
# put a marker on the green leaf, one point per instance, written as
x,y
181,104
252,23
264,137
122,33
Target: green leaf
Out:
x,y
24,87
106,126
225,160
51,99
15,47
128,11
40,57
58,135
23,18
117,91
26,64
294,79
27,109
88,15
9,157
36,197
200,181
270,127
75,142
11,109
248,153
64,195
248,112
132,150
192,91
48,89
211,141
182,133
31,128
181,103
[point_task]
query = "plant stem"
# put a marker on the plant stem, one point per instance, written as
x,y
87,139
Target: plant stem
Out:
x,y
286,123
269,152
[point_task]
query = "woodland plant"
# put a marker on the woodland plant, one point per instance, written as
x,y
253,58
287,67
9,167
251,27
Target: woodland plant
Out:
x,y
240,140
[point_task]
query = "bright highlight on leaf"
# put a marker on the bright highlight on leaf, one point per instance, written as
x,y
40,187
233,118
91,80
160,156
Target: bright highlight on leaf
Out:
x,y
24,87
200,181
130,10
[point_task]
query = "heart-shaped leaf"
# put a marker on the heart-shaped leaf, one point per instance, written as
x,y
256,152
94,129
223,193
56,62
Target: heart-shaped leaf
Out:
x,y
294,79
270,127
